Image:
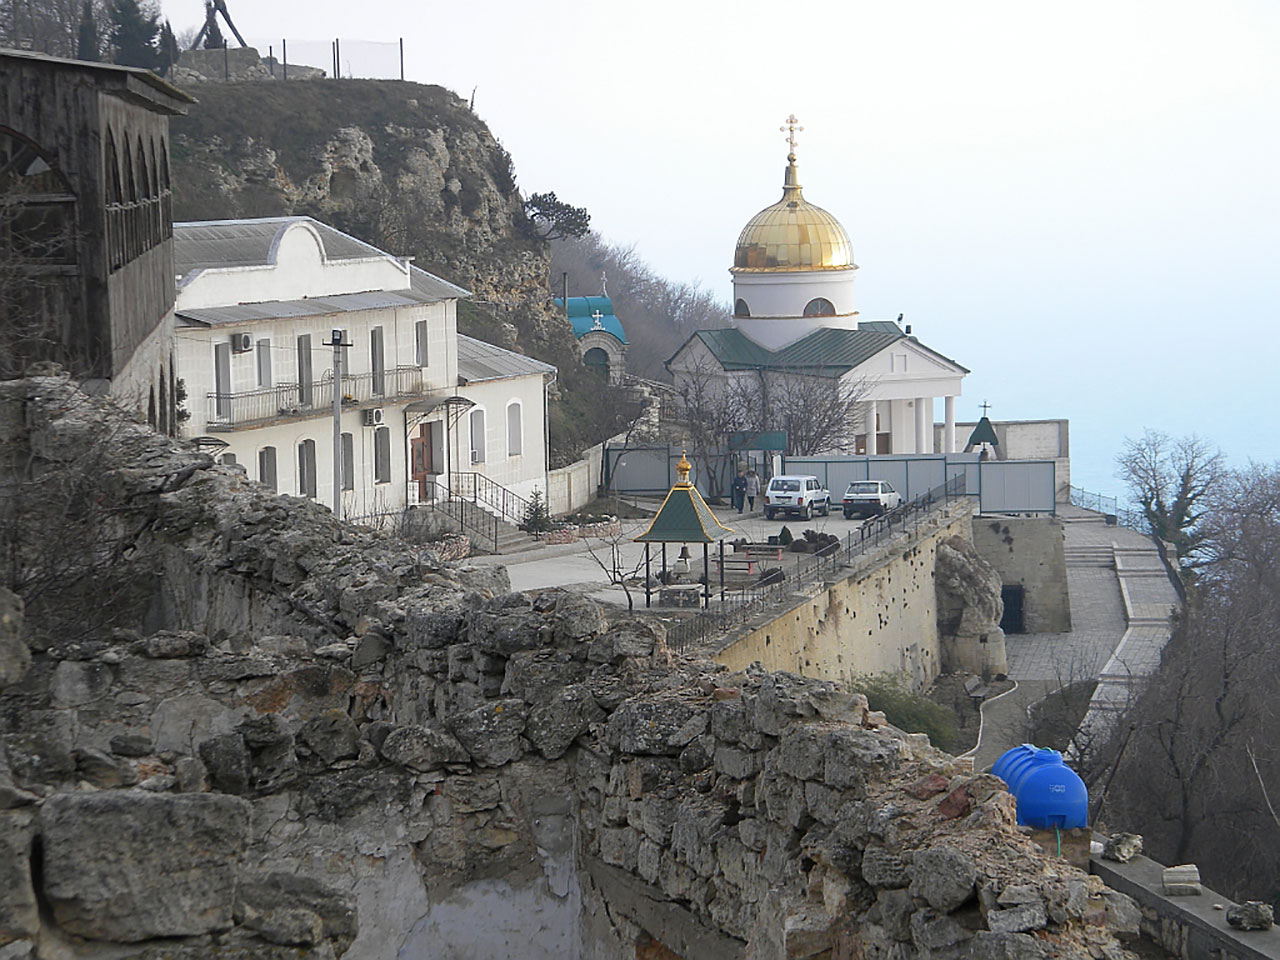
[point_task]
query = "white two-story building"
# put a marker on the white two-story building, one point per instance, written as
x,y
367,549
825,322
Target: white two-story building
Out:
x,y
422,409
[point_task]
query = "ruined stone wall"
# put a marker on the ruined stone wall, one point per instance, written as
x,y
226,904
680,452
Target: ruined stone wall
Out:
x,y
393,757
1030,551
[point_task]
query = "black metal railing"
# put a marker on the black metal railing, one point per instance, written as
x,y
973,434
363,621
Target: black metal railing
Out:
x,y
479,524
489,495
230,411
1110,506
740,605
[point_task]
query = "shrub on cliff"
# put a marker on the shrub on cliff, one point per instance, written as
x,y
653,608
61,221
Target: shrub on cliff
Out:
x,y
906,709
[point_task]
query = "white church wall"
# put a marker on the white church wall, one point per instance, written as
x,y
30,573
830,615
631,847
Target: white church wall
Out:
x,y
786,294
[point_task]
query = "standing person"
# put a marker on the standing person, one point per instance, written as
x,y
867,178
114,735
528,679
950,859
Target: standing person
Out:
x,y
739,491
753,488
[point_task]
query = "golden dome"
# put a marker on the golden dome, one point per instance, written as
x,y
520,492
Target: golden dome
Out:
x,y
793,235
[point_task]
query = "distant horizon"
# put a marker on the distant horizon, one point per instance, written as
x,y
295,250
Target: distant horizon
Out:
x,y
1080,205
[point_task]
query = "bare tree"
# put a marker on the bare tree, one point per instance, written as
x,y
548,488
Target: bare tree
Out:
x,y
1200,762
820,414
1173,480
608,557
713,406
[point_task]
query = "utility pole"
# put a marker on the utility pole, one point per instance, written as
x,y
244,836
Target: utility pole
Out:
x,y
335,341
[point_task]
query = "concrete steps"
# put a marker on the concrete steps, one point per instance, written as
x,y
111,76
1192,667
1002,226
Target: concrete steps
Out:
x,y
1090,556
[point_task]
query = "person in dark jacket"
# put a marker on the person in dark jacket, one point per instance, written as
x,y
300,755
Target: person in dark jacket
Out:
x,y
739,491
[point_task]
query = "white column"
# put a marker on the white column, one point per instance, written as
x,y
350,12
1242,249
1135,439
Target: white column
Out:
x,y
921,446
949,428
870,421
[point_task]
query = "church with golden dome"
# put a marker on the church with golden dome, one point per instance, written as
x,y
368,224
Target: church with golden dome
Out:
x,y
794,317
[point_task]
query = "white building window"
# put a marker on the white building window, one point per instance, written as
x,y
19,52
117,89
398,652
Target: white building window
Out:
x,y
420,342
477,435
348,462
382,455
307,469
515,429
264,363
377,361
222,380
267,467
305,394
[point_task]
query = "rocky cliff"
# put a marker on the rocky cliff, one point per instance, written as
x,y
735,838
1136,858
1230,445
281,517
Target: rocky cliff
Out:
x,y
235,727
405,166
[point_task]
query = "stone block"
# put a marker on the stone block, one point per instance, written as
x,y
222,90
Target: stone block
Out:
x,y
1122,847
492,732
1018,919
1122,915
125,865
931,930
15,656
423,748
19,912
645,726
882,868
1251,915
331,736
292,910
739,764
943,876
1181,881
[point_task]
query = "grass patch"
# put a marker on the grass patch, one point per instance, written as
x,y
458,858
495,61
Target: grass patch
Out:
x,y
906,709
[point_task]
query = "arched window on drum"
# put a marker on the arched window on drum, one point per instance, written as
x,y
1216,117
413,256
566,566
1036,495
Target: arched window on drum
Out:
x,y
819,307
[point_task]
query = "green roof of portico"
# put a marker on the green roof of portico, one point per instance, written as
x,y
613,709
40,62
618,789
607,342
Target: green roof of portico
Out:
x,y
826,352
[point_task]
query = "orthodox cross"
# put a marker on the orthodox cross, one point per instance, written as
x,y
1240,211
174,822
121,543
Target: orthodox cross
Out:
x,y
791,128
597,317
985,407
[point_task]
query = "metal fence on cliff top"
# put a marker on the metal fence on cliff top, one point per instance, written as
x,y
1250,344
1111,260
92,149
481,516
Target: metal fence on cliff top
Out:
x,y
291,59
742,604
1110,507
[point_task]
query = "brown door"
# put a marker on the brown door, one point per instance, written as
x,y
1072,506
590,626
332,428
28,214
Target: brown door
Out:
x,y
420,458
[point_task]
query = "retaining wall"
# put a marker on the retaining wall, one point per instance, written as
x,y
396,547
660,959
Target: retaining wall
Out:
x,y
1029,551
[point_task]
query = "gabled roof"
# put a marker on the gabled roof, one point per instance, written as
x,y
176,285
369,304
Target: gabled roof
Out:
x,y
581,310
478,361
826,352
222,244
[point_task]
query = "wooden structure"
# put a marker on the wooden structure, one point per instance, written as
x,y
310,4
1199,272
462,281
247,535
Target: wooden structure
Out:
x,y
86,228
684,518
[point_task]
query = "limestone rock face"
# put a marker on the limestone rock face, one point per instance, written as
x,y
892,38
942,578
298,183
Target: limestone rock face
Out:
x,y
969,609
15,657
128,865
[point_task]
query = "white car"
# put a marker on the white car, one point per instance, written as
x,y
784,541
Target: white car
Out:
x,y
869,498
798,494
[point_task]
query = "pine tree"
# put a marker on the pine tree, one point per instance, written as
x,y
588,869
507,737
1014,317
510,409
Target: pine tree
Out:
x,y
213,36
133,34
88,43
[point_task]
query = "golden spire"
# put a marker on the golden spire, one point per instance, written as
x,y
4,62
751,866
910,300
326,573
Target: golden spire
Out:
x,y
682,470
791,182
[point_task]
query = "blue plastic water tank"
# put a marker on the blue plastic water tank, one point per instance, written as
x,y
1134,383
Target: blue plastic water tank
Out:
x,y
1048,792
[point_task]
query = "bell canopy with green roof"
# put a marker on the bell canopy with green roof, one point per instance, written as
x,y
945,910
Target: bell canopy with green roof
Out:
x,y
684,516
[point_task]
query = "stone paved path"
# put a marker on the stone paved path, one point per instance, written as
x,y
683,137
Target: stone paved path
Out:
x,y
1101,641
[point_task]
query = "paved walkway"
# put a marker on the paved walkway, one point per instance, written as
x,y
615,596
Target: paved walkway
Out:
x,y
1101,641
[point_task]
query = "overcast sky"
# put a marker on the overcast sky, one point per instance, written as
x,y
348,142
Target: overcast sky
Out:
x,y
1079,202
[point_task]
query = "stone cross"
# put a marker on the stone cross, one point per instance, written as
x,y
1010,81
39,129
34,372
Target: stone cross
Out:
x,y
791,128
597,317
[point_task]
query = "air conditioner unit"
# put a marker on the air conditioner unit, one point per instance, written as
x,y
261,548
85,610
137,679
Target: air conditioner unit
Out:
x,y
374,417
241,342
475,457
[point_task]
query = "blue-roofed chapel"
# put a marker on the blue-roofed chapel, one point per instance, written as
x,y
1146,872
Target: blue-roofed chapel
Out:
x,y
601,337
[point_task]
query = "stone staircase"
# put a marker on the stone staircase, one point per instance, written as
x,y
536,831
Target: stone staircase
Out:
x,y
511,539
1091,555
